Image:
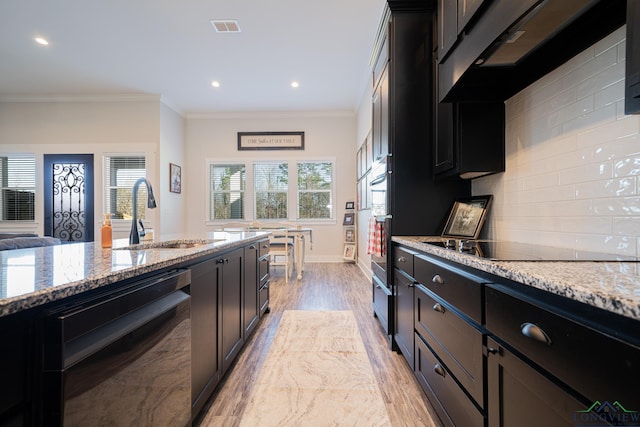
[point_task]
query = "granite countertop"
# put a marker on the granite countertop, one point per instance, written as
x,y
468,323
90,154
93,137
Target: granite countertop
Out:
x,y
613,286
36,276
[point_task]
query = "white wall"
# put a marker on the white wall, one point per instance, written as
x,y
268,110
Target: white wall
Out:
x,y
80,126
327,136
172,145
573,159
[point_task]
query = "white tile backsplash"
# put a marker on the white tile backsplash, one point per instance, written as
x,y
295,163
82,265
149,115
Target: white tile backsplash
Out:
x,y
572,174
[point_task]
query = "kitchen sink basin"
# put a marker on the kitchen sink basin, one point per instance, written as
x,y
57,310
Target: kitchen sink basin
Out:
x,y
171,244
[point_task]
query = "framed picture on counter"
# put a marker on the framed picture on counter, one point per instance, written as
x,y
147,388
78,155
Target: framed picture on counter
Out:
x,y
467,217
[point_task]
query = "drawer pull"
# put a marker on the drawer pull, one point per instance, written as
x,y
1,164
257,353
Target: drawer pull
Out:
x,y
534,332
439,370
438,307
402,259
252,247
438,279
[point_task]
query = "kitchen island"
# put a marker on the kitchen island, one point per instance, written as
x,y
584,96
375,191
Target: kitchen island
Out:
x,y
78,320
518,343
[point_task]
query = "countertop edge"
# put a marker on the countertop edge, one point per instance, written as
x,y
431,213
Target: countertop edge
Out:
x,y
13,305
591,288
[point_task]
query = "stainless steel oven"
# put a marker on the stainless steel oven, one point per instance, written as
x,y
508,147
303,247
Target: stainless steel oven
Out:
x,y
379,236
122,358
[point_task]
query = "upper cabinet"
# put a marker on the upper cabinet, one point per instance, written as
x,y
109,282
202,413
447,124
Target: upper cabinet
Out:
x,y
632,83
453,18
495,48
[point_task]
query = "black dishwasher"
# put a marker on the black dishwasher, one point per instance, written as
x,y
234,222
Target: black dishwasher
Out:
x,y
122,358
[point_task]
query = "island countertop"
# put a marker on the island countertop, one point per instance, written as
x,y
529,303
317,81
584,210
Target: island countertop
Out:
x,y
36,276
612,286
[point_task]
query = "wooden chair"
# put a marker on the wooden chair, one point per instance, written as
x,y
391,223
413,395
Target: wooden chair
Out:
x,y
281,249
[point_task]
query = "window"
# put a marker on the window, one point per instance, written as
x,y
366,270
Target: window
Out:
x,y
271,186
18,187
315,190
227,188
120,173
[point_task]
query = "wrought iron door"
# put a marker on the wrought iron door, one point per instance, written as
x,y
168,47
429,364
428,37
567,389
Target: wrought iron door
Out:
x,y
68,197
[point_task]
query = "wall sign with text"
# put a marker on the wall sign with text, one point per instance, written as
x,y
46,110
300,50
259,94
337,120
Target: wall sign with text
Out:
x,y
270,140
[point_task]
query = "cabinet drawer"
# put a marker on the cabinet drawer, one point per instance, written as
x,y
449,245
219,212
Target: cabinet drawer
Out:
x,y
598,366
455,286
263,269
403,260
456,341
264,297
263,247
382,305
449,400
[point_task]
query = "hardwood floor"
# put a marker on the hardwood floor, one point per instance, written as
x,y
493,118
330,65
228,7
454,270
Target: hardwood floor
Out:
x,y
323,287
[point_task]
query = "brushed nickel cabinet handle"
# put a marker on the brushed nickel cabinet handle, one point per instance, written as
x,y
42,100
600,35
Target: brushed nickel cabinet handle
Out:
x,y
439,308
402,259
534,332
438,279
439,370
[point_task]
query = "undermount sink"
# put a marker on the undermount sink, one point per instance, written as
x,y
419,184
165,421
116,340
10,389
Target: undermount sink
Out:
x,y
171,244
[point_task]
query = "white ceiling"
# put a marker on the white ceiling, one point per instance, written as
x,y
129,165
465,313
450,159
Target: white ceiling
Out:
x,y
170,48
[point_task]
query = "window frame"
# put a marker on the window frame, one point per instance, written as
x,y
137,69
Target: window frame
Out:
x,y
106,186
210,191
292,190
32,157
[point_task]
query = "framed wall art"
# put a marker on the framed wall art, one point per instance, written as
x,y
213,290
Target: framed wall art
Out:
x,y
467,217
270,140
175,178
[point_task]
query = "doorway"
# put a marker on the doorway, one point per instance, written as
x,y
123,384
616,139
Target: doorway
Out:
x,y
68,197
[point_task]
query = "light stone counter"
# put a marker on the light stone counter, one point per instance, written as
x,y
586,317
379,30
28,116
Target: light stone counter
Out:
x,y
36,276
613,286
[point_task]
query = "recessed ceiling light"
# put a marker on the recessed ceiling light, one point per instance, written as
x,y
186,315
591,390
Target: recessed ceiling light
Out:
x,y
295,84
215,83
225,25
41,41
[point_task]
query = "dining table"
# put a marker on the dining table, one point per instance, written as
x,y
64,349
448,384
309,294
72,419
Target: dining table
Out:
x,y
299,233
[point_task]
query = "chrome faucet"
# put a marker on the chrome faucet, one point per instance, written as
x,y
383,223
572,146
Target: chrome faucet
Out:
x,y
134,237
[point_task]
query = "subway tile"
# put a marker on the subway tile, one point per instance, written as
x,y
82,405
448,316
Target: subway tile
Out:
x,y
629,166
626,226
620,206
610,131
606,188
620,148
588,172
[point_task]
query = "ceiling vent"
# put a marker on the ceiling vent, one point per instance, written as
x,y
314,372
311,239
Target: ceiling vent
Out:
x,y
225,25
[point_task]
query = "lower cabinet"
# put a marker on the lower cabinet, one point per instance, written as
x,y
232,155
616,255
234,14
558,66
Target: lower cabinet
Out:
x,y
449,400
14,401
227,300
404,315
230,312
205,364
520,396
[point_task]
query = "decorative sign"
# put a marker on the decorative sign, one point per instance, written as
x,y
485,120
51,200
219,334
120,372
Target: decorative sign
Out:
x,y
270,140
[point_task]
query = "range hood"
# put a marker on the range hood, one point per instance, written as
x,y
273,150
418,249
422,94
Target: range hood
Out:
x,y
540,24
514,43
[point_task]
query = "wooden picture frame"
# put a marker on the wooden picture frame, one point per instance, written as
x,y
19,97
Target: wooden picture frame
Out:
x,y
349,252
467,217
349,219
175,178
270,140
349,205
350,235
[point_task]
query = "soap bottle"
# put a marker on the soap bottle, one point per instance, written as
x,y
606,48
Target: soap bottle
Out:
x,y
107,231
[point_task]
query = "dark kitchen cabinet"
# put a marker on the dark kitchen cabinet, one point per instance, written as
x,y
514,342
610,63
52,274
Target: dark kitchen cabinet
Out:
x,y
466,12
404,315
380,108
250,302
230,312
520,396
447,26
632,82
205,363
15,406
469,139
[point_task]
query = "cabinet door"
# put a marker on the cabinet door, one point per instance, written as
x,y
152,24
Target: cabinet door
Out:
x,y
404,315
444,143
205,364
632,82
231,306
380,132
250,314
447,26
520,396
466,10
